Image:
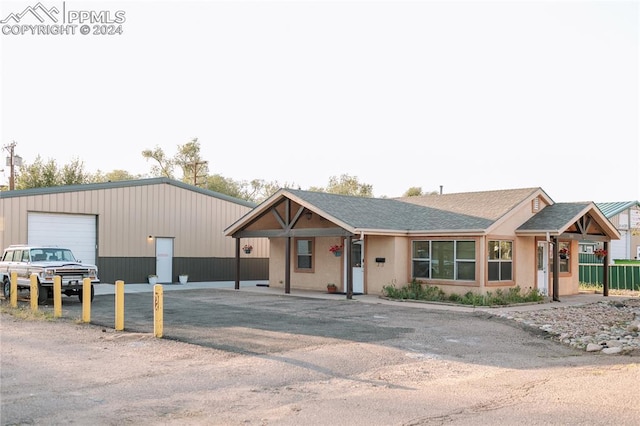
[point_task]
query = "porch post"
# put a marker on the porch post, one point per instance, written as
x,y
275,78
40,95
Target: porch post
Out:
x,y
605,271
287,266
349,262
556,270
237,285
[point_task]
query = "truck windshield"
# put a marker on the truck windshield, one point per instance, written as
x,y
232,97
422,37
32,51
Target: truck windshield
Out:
x,y
52,255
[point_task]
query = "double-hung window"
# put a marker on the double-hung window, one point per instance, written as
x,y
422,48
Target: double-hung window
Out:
x,y
304,254
500,260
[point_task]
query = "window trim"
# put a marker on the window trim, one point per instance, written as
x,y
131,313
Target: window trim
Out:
x,y
294,253
499,261
456,260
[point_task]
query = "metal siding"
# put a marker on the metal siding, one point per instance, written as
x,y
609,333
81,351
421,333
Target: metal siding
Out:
x,y
127,215
135,269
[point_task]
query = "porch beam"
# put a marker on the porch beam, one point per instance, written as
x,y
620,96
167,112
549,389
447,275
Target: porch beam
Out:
x,y
302,232
605,272
556,270
237,261
349,254
287,267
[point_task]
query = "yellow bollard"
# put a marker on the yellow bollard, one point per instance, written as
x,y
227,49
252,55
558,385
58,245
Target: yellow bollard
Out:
x,y
57,296
33,295
157,310
119,305
86,300
14,290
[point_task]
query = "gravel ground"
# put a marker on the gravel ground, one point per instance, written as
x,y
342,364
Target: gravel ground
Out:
x,y
613,325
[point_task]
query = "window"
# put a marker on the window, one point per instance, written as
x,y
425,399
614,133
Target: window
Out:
x,y
304,254
445,260
500,260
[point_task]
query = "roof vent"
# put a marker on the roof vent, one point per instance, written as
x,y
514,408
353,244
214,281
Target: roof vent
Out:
x,y
535,206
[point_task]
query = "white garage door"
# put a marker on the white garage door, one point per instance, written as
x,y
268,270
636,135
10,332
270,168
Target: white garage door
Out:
x,y
74,231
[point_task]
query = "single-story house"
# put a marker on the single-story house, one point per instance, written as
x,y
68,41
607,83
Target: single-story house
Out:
x,y
132,229
479,242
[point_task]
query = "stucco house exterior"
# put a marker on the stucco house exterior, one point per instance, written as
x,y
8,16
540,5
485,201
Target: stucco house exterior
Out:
x,y
131,229
479,242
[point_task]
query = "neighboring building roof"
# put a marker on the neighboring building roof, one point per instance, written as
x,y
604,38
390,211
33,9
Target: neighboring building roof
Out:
x,y
122,184
612,209
490,205
386,214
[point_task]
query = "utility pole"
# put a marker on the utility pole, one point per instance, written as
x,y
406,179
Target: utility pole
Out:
x,y
196,165
13,160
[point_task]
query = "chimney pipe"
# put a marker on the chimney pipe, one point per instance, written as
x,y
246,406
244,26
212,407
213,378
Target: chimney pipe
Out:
x,y
440,189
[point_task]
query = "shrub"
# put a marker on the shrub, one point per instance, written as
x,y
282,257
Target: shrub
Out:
x,y
417,291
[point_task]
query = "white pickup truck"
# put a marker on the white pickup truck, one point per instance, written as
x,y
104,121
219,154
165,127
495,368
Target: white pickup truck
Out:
x,y
46,262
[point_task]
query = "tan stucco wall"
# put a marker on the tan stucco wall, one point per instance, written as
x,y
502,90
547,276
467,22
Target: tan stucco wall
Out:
x,y
327,268
525,268
394,271
330,269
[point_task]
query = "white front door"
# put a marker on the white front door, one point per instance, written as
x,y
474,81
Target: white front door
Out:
x,y
357,266
542,262
164,259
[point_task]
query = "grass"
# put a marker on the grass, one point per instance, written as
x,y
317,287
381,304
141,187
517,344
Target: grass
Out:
x,y
417,291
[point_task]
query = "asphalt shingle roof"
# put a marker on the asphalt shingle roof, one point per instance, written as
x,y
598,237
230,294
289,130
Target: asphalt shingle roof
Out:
x,y
553,218
389,214
487,204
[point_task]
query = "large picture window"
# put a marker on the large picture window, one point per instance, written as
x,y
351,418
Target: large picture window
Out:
x,y
500,260
304,254
444,260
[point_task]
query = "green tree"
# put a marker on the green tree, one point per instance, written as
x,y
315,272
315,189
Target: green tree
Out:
x,y
41,174
194,168
414,191
113,176
227,186
73,173
258,190
346,185
165,165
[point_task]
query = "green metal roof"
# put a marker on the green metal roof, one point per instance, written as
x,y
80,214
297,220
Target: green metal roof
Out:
x,y
611,209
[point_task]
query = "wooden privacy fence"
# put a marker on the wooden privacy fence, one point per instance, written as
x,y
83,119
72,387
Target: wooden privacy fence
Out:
x,y
621,277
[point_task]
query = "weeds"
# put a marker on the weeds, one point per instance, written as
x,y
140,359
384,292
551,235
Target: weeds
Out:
x,y
25,313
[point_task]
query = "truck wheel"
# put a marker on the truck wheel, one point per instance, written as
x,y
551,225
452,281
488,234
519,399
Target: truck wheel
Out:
x,y
92,293
6,288
43,294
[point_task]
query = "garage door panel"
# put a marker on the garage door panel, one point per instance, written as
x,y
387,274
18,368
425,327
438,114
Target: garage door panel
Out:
x,y
77,232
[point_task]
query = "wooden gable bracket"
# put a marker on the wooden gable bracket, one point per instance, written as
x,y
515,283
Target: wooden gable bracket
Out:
x,y
285,223
583,225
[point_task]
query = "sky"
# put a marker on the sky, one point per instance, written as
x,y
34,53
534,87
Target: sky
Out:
x,y
467,96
